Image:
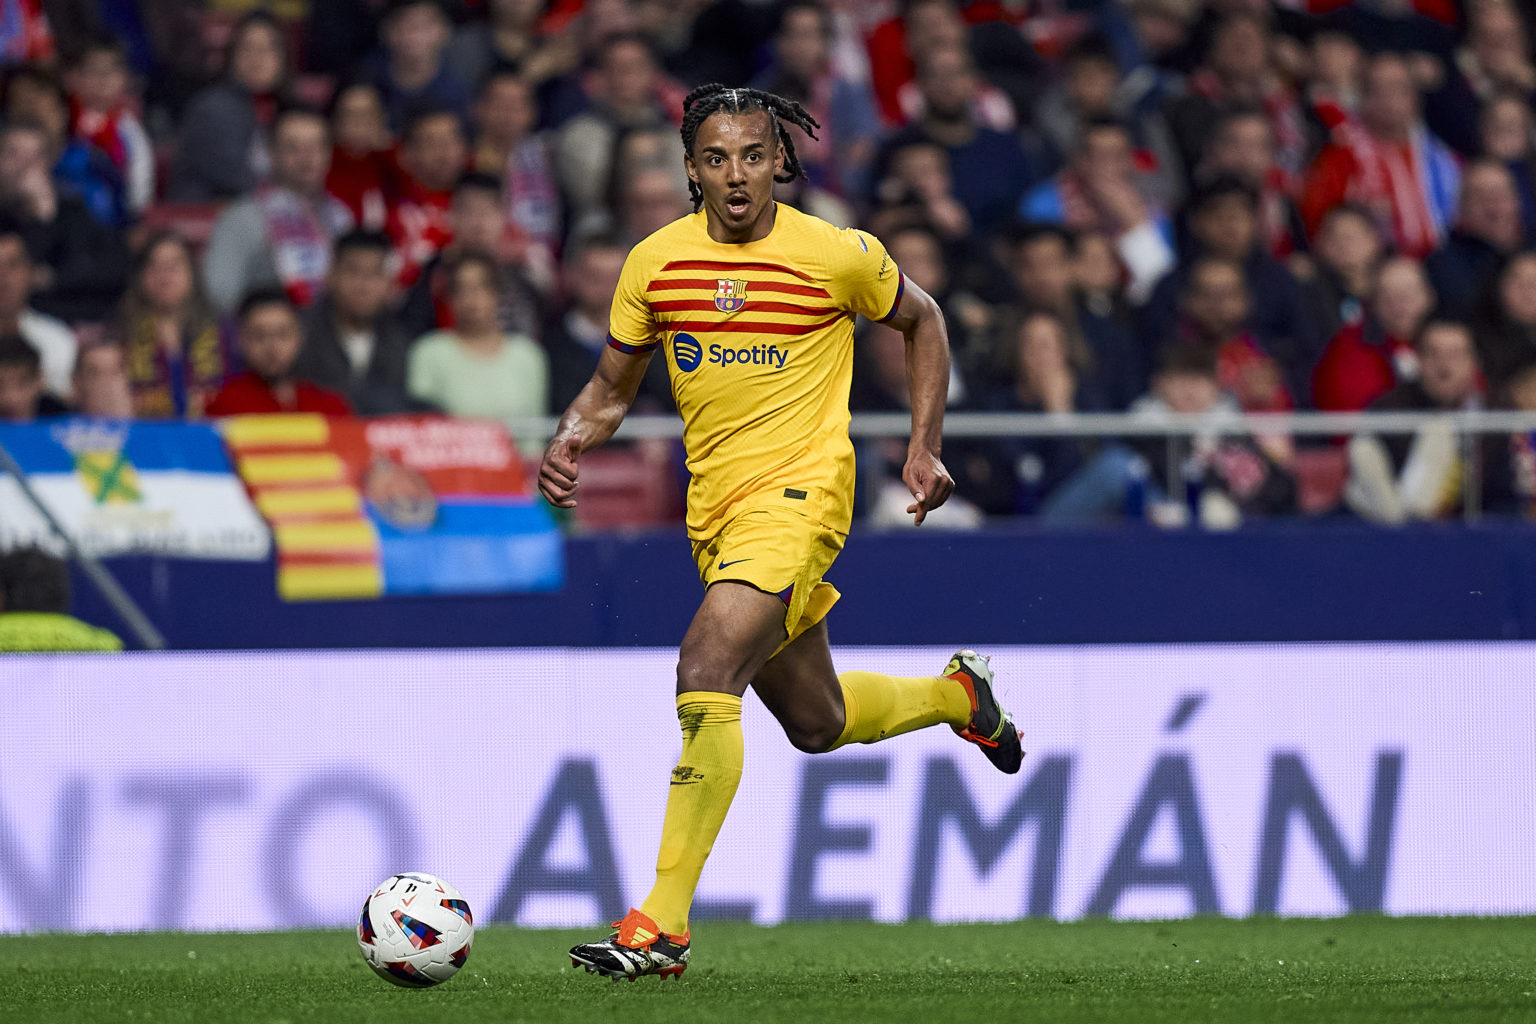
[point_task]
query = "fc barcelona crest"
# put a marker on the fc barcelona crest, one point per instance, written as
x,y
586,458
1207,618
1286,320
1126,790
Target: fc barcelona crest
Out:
x,y
731,295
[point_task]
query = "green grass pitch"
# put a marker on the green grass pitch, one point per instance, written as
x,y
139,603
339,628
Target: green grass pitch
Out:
x,y
1352,969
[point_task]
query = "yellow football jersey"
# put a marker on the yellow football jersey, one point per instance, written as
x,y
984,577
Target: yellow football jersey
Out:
x,y
759,343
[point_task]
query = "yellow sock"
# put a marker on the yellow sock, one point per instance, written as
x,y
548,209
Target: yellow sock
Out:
x,y
703,784
877,706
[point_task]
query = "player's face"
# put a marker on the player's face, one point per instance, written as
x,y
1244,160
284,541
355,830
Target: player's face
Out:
x,y
734,160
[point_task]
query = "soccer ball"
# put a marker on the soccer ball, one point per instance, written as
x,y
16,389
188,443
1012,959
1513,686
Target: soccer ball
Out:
x,y
415,930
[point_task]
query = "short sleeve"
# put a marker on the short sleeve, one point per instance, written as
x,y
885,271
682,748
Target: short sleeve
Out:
x,y
864,278
631,327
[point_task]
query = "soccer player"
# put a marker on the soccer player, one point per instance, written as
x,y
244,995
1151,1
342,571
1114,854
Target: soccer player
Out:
x,y
752,304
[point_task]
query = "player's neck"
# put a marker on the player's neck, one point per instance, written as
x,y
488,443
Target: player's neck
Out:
x,y
754,232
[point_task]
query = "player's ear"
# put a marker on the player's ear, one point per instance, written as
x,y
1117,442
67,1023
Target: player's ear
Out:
x,y
693,172
779,160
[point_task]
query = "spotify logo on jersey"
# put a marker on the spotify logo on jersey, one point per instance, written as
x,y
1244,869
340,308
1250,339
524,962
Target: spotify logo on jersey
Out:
x,y
687,352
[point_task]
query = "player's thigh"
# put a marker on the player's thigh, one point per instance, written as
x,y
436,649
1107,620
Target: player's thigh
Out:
x,y
799,687
733,634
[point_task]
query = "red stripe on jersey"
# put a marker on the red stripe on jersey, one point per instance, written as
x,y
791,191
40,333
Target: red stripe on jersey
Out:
x,y
679,283
677,305
720,265
743,327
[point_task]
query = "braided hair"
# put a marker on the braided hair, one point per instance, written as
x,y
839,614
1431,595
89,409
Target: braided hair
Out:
x,y
715,98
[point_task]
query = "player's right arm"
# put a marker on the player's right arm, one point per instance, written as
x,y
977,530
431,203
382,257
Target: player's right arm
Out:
x,y
592,418
602,404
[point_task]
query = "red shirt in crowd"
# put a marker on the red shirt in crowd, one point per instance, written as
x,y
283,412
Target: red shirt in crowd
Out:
x,y
361,182
1353,373
246,394
419,227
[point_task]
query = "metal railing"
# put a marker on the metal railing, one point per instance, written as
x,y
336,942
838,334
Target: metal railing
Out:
x,y
1467,425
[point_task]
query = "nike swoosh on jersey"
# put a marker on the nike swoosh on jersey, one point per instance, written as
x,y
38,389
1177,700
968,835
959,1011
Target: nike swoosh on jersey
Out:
x,y
727,565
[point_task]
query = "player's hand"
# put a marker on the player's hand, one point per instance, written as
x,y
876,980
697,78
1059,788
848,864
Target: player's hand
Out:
x,y
929,482
557,471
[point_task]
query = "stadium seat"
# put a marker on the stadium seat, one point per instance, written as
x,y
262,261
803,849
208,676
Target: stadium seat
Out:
x,y
1320,477
626,487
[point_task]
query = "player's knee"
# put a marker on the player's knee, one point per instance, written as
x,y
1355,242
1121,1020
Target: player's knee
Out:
x,y
695,674
813,737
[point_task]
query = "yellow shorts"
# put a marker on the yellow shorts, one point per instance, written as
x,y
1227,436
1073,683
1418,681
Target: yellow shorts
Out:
x,y
780,552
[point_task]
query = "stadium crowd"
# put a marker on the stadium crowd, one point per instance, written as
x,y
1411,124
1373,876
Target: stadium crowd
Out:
x,y
1152,206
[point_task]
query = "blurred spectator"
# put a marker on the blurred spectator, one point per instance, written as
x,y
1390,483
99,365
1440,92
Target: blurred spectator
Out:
x,y
1397,478
510,41
920,253
36,96
1222,221
577,339
1239,69
1098,192
1496,56
626,95
1506,323
1346,257
1488,228
1369,356
477,222
1105,318
1509,464
901,48
650,197
1030,475
987,166
919,189
1225,475
1242,145
271,336
1161,33
892,44
177,358
1089,90
103,116
280,235
880,385
433,155
362,158
1508,133
34,607
23,397
101,382
839,160
478,369
1101,347
222,149
1215,304
410,71
507,146
25,34
351,342
1388,162
1337,67
52,339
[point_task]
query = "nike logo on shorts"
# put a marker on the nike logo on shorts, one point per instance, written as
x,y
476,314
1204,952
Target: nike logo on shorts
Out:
x,y
727,565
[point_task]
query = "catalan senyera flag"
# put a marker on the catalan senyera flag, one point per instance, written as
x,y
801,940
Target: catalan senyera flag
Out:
x,y
395,505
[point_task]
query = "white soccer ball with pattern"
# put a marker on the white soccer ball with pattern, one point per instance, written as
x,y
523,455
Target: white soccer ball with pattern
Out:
x,y
415,930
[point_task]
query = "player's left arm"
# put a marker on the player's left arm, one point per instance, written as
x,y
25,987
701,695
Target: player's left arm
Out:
x,y
918,318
